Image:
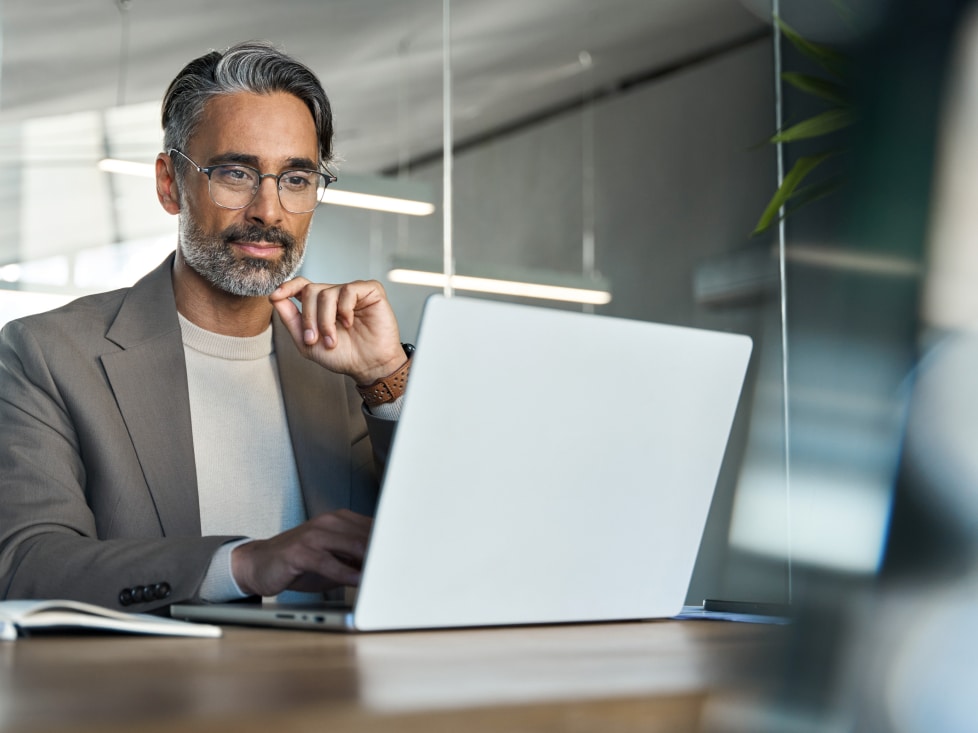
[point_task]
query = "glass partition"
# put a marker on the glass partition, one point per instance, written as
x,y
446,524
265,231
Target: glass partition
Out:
x,y
614,147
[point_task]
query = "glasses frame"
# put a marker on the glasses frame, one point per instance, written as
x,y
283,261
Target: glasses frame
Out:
x,y
330,178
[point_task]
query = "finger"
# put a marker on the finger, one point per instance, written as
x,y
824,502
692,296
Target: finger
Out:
x,y
323,555
288,311
354,562
289,289
344,554
327,315
346,306
335,533
338,572
362,521
310,307
330,569
345,521
315,583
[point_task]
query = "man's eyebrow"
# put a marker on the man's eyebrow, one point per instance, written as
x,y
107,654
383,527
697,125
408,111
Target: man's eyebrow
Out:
x,y
232,157
252,160
303,163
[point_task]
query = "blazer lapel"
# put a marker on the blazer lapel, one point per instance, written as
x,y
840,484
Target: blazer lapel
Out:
x,y
149,380
316,411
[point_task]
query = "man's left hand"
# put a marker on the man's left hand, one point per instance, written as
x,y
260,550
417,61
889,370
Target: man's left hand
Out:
x,y
349,328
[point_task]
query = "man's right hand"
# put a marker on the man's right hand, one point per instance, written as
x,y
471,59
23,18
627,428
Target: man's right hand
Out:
x,y
323,553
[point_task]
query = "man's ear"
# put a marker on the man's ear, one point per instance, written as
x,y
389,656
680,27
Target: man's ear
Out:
x,y
166,184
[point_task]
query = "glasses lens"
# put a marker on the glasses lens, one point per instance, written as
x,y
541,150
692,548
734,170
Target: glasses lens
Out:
x,y
233,186
300,191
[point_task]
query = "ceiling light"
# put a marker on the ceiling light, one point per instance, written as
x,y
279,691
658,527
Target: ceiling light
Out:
x,y
10,273
524,284
381,193
377,203
852,261
127,167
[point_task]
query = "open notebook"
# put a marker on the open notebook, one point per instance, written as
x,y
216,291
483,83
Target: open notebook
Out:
x,y
25,617
549,466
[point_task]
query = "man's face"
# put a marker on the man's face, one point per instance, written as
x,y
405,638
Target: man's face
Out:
x,y
249,251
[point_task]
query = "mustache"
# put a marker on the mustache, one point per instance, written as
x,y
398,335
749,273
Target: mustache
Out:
x,y
252,233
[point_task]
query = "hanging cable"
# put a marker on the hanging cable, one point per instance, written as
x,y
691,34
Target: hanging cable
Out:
x,y
447,152
123,6
120,97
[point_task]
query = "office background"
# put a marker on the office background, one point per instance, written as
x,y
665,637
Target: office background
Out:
x,y
621,141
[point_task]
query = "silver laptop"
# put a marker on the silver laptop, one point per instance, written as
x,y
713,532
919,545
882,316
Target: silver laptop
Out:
x,y
549,467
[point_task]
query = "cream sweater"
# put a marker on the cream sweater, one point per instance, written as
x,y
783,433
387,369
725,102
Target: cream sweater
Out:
x,y
246,476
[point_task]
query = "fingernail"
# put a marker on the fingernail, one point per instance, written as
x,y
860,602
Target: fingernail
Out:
x,y
329,342
309,336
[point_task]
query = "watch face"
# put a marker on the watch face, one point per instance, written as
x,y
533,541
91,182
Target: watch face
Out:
x,y
408,349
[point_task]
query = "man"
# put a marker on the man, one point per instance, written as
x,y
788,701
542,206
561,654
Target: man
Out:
x,y
199,436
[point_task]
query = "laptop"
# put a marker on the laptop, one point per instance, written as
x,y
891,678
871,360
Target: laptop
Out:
x,y
549,467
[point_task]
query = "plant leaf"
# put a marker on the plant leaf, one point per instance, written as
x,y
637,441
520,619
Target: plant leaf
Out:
x,y
807,195
821,124
828,58
830,91
813,192
801,168
810,194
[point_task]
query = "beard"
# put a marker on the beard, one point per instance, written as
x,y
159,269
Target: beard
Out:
x,y
211,257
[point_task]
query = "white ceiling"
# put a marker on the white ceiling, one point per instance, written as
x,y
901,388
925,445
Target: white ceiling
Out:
x,y
82,79
380,60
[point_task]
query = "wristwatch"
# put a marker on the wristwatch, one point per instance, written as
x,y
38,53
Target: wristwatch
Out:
x,y
389,388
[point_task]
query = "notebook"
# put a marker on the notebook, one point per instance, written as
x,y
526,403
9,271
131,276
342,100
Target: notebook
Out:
x,y
549,466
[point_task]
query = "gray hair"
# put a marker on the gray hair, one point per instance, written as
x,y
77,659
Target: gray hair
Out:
x,y
253,66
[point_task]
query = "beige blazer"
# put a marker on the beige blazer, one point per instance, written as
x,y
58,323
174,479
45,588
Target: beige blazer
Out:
x,y
98,487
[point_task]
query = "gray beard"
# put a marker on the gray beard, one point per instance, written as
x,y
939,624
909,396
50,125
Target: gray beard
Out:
x,y
211,257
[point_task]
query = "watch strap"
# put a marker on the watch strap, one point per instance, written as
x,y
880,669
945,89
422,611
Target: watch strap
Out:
x,y
389,388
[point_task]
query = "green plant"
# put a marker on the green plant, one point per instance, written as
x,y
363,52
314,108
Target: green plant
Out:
x,y
791,195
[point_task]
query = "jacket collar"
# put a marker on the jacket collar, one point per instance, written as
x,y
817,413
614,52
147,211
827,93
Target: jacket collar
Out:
x,y
149,380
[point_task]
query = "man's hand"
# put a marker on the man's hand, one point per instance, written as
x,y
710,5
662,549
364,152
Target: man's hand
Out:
x,y
325,552
350,329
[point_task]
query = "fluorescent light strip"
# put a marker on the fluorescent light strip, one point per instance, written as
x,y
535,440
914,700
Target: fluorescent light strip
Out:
x,y
841,259
377,203
501,287
331,196
127,167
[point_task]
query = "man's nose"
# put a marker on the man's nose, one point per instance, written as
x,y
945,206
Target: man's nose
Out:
x,y
266,207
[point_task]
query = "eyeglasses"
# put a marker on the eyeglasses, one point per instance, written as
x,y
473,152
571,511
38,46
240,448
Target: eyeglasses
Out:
x,y
233,186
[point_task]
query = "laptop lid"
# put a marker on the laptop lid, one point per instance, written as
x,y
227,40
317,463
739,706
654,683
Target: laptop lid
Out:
x,y
549,467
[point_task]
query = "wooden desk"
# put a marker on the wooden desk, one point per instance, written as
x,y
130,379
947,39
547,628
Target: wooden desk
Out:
x,y
653,676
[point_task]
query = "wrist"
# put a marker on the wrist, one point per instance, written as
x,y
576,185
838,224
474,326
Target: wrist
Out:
x,y
380,371
219,584
391,385
239,565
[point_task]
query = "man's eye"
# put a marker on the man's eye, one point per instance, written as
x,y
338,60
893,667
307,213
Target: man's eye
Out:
x,y
230,174
296,181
